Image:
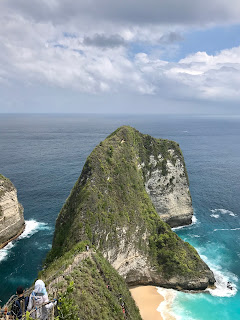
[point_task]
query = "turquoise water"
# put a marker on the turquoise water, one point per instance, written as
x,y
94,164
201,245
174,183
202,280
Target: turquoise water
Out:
x,y
221,303
43,155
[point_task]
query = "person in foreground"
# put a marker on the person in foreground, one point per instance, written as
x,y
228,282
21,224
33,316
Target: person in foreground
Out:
x,y
39,301
19,307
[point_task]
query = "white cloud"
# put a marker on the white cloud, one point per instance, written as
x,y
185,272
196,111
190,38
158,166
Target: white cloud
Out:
x,y
86,47
198,76
212,76
132,12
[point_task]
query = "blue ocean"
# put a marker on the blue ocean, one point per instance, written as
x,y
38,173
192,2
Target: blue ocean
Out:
x,y
43,155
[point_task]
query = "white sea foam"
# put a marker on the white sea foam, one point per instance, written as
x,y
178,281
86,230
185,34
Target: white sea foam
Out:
x,y
233,214
216,216
222,278
165,307
178,228
223,211
5,251
44,246
234,229
194,221
31,227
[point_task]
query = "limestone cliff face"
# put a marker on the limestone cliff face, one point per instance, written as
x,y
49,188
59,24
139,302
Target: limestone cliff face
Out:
x,y
137,269
11,212
169,190
128,182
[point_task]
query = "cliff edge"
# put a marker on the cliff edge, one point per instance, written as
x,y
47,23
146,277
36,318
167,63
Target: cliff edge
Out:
x,y
129,184
88,287
11,212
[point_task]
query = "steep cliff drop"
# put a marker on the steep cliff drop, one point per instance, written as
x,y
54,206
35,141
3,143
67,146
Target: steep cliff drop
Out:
x,y
11,212
128,182
166,182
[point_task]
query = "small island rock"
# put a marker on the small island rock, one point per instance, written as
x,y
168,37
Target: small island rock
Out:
x,y
130,186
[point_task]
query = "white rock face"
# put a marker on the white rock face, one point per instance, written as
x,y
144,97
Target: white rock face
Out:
x,y
169,192
134,266
11,212
130,262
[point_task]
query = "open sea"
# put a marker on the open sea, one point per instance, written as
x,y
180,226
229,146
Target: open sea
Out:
x,y
43,155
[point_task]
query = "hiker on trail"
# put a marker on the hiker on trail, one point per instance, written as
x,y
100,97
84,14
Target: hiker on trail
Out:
x,y
39,302
19,307
109,287
87,247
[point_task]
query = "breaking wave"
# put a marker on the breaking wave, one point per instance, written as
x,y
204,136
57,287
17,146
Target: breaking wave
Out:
x,y
222,278
4,252
31,227
194,221
165,306
222,211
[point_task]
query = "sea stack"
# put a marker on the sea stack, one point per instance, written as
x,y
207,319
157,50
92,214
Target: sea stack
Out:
x,y
11,212
130,186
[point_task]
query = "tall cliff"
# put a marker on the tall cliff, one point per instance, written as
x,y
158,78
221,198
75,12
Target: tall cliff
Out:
x,y
11,212
128,182
166,182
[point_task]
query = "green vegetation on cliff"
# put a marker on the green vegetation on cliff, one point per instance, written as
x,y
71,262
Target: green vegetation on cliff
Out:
x,y
109,202
6,184
84,293
3,178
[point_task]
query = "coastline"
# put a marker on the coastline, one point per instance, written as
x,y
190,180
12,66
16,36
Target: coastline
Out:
x,y
166,306
13,238
148,300
154,303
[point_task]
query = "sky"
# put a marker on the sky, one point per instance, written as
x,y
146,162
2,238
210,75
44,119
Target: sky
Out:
x,y
128,56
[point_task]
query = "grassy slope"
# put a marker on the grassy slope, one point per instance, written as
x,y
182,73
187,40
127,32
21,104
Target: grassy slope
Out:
x,y
110,194
90,298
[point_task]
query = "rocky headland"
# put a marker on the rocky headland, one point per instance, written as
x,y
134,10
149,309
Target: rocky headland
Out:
x,y
11,212
132,188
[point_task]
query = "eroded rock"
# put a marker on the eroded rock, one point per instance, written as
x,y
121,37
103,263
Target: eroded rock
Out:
x,y
11,212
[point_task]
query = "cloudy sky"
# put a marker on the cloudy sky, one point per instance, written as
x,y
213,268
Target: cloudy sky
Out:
x,y
146,56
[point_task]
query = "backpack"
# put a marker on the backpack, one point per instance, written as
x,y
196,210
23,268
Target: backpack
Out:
x,y
19,307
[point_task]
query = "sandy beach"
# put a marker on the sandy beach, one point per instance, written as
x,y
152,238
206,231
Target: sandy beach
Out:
x,y
148,300
152,304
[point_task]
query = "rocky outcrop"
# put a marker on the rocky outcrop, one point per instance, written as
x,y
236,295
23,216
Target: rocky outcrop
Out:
x,y
136,268
11,212
128,182
169,190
